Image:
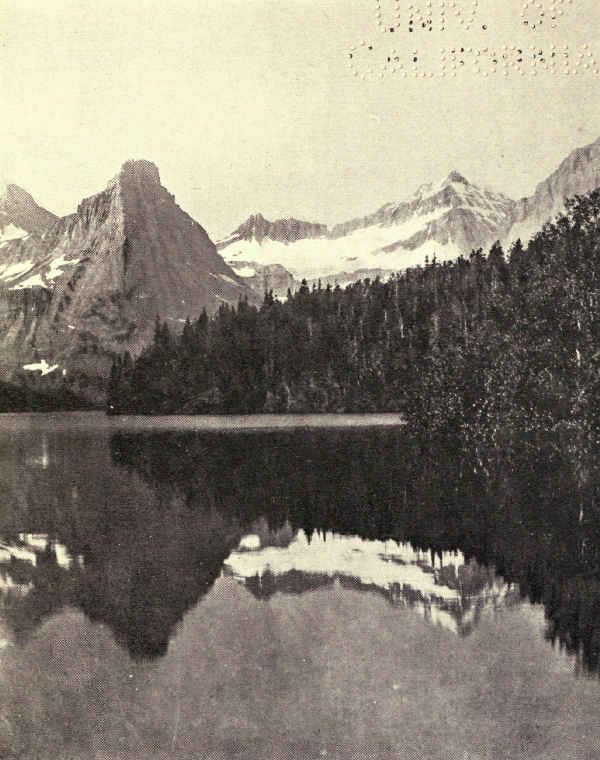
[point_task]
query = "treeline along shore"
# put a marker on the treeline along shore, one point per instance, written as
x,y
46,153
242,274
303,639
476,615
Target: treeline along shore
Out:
x,y
507,338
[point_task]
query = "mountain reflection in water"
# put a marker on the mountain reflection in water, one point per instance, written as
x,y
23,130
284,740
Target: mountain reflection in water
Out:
x,y
283,594
445,589
139,547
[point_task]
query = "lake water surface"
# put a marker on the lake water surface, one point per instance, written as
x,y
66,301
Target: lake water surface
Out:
x,y
282,588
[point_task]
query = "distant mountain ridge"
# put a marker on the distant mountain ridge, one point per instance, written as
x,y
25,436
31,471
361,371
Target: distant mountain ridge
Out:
x,y
443,219
440,219
285,230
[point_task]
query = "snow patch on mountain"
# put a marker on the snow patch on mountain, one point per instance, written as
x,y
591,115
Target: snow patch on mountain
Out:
x,y
244,271
12,232
12,271
56,267
41,274
35,281
41,366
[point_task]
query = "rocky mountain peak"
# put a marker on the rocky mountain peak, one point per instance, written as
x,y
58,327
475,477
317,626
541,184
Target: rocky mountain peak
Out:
x,y
136,174
140,171
433,189
19,210
443,218
255,226
284,230
457,177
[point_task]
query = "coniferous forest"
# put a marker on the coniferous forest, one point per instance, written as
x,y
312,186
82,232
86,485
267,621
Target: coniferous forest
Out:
x,y
483,348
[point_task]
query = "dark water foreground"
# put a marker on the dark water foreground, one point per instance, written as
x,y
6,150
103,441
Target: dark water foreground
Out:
x,y
288,594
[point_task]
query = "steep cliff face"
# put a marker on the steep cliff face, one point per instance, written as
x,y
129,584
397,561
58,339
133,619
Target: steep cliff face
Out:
x,y
170,265
97,279
578,174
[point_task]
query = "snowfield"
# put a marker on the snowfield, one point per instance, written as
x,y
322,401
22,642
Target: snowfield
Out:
x,y
361,249
11,232
44,277
12,271
35,281
56,267
244,271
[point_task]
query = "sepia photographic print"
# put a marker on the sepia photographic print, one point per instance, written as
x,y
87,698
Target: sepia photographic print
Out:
x,y
299,380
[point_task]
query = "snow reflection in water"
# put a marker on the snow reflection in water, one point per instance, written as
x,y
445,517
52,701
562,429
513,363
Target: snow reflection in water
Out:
x,y
444,588
27,551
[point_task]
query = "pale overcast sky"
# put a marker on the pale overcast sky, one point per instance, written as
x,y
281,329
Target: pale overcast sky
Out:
x,y
250,105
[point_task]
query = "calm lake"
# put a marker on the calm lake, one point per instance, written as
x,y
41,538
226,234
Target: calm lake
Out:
x,y
285,588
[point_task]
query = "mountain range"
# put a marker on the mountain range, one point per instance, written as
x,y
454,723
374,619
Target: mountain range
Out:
x,y
76,290
443,219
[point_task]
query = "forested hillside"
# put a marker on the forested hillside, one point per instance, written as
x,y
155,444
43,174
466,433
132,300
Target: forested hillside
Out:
x,y
480,345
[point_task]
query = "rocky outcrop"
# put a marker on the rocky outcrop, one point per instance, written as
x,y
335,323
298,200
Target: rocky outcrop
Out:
x,y
265,278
